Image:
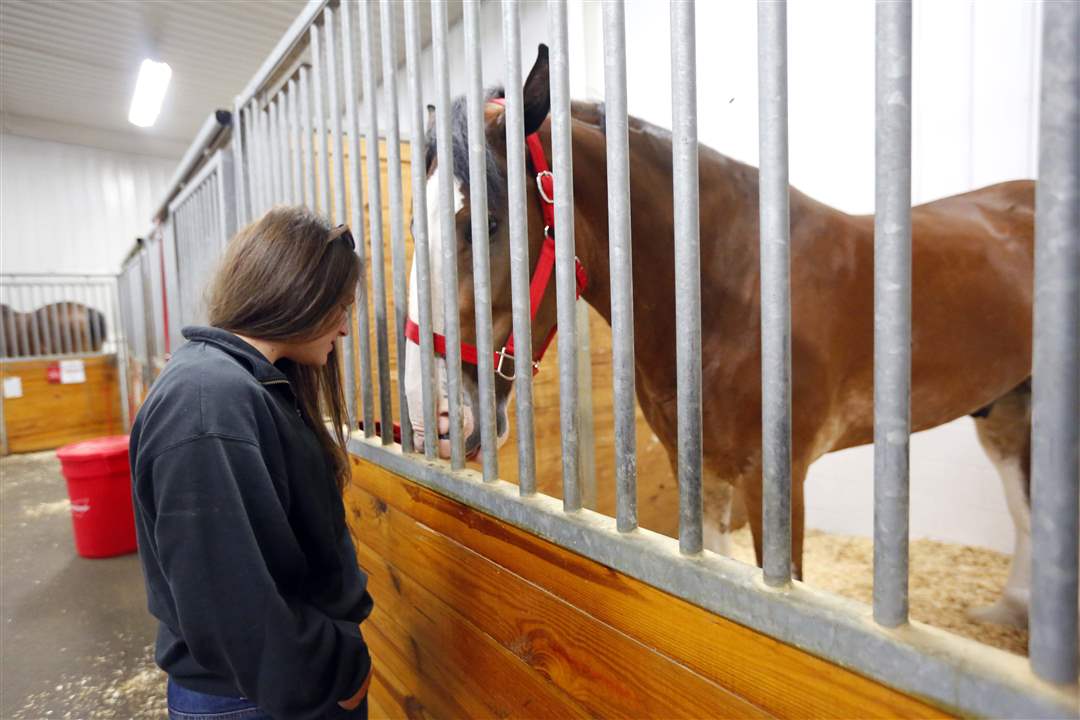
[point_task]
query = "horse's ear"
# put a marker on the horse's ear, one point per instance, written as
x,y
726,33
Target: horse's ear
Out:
x,y
537,92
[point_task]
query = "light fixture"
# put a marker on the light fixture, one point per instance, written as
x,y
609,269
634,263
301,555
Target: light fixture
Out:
x,y
149,92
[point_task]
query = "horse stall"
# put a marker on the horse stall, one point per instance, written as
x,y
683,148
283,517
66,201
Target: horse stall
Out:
x,y
61,347
529,548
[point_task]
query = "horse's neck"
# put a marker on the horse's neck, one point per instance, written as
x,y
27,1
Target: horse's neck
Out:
x,y
724,185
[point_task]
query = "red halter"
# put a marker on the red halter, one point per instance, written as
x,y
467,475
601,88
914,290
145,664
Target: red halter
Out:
x,y
545,184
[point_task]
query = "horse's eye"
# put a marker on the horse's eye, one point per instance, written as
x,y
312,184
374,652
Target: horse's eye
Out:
x,y
493,225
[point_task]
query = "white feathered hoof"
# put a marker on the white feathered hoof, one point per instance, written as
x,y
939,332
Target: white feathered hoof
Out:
x,y
1010,613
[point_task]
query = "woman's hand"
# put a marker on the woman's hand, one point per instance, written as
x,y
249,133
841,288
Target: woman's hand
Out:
x,y
354,702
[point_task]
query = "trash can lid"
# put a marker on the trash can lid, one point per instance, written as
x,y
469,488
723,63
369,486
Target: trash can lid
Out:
x,y
98,447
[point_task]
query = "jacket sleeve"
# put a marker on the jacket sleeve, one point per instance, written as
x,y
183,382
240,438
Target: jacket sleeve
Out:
x,y
220,522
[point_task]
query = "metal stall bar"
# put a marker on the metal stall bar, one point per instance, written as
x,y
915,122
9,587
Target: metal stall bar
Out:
x,y
69,343
622,280
345,346
53,317
335,117
269,194
892,312
241,137
478,205
1055,429
447,235
295,140
775,228
287,101
519,249
24,333
565,278
320,123
308,146
688,271
378,277
356,206
35,302
273,109
254,179
421,248
397,232
79,330
121,354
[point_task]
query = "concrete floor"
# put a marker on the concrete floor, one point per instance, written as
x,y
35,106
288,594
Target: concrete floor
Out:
x,y
76,639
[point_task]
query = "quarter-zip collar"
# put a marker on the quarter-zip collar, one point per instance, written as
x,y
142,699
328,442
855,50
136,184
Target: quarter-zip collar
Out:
x,y
262,369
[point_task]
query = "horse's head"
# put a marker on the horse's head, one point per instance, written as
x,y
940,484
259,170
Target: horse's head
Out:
x,y
537,102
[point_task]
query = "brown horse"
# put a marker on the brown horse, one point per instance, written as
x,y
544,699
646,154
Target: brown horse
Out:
x,y
971,300
53,329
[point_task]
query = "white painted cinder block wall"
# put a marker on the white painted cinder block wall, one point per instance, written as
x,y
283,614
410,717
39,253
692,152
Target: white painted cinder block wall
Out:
x,y
974,123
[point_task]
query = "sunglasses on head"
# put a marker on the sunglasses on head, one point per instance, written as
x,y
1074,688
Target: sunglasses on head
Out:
x,y
342,231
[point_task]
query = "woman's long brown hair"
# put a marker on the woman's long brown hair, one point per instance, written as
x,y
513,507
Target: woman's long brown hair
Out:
x,y
285,278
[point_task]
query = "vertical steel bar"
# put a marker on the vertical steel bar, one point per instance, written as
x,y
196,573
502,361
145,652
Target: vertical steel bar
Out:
x,y
421,247
622,288
24,331
35,303
6,331
307,141
69,344
254,179
892,311
274,111
53,317
447,234
519,249
102,292
565,278
397,230
335,118
269,195
1055,431
688,272
283,143
320,122
345,346
296,143
356,206
478,207
775,229
367,62
240,155
79,328
121,357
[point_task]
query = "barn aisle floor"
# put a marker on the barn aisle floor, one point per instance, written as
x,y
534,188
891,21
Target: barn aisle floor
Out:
x,y
76,637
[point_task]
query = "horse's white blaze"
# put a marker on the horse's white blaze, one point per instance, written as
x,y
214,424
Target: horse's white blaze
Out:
x,y
413,376
716,539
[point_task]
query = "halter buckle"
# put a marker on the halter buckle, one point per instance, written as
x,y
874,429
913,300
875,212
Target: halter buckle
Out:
x,y
499,368
540,185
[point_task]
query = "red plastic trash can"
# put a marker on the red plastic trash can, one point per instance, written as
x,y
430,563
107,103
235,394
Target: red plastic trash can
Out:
x,y
99,485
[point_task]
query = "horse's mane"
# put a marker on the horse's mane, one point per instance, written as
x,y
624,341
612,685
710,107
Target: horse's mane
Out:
x,y
459,143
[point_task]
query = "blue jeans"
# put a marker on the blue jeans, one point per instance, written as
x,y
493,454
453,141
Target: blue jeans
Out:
x,y
187,704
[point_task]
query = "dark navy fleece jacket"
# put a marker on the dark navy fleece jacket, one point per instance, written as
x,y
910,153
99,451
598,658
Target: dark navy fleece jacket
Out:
x,y
248,563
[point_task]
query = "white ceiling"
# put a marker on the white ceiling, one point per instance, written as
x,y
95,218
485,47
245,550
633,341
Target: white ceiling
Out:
x,y
68,67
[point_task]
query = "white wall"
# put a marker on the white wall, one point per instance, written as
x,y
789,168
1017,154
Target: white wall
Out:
x,y
72,208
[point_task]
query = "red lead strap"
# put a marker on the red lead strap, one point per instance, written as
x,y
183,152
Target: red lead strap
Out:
x,y
545,184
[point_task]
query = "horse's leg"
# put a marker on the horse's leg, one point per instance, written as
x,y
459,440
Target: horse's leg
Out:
x,y
1004,430
752,494
718,494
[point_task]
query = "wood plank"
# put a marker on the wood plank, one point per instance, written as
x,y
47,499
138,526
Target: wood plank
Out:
x,y
777,677
396,688
50,415
447,651
606,671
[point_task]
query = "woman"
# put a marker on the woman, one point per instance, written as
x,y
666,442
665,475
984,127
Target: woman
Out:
x,y
238,461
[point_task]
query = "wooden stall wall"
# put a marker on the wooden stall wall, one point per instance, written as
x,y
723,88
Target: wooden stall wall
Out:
x,y
475,618
51,414
657,491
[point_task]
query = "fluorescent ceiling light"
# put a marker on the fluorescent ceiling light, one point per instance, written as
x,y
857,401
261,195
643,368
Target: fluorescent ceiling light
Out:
x,y
149,92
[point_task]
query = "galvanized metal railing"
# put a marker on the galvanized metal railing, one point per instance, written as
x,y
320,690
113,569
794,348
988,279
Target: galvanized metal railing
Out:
x,y
290,144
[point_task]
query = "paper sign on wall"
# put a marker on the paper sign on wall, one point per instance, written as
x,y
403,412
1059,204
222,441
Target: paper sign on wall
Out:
x,y
12,388
72,371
